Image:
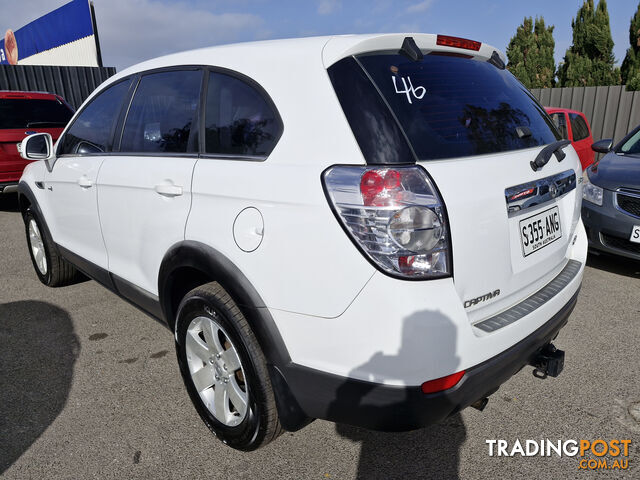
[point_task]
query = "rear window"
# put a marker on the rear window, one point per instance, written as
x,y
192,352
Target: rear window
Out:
x,y
31,113
578,127
449,106
560,122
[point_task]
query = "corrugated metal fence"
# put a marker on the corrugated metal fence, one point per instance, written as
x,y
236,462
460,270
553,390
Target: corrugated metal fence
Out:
x,y
612,111
74,84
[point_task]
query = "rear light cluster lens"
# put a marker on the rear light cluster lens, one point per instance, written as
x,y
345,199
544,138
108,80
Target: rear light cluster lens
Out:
x,y
395,216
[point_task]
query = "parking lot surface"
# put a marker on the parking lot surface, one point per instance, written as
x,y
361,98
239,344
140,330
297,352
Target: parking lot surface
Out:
x,y
89,388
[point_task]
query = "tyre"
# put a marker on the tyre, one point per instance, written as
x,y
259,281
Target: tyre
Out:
x,y
52,270
224,369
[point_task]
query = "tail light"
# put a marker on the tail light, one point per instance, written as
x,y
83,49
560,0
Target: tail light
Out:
x,y
395,216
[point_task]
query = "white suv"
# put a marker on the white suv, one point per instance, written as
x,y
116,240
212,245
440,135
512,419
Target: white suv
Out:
x,y
377,230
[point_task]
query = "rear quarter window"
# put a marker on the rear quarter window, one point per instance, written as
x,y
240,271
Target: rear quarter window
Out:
x,y
560,122
239,121
450,106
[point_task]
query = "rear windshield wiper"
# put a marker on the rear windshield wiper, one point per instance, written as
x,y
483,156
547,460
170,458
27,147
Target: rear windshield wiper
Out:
x,y
44,124
545,154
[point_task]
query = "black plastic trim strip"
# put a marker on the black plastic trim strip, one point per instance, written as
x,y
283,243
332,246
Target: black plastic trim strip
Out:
x,y
90,269
145,300
533,302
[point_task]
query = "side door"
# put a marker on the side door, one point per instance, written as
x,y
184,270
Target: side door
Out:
x,y
144,191
70,188
581,139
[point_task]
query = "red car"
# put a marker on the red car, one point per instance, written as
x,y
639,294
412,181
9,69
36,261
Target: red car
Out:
x,y
573,125
21,114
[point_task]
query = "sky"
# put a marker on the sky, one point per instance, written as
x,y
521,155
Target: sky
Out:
x,y
135,30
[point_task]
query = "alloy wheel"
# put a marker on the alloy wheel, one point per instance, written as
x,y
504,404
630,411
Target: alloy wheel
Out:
x,y
37,247
216,371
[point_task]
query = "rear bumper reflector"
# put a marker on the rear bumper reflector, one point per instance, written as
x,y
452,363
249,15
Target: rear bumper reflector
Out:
x,y
443,383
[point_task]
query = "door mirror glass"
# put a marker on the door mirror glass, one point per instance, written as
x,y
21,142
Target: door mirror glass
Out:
x,y
38,146
602,146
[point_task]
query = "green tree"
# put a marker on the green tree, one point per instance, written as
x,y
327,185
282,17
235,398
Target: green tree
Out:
x,y
589,61
530,54
631,65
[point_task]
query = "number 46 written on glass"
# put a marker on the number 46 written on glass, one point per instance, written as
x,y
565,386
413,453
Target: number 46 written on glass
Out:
x,y
409,89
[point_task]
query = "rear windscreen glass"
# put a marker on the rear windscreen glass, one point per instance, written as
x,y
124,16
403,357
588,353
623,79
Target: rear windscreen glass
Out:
x,y
450,106
28,113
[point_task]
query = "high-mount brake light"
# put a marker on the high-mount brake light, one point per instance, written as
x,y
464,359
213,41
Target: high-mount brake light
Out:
x,y
447,41
395,216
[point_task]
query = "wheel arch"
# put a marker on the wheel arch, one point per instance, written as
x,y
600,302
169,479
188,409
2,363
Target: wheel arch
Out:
x,y
27,200
189,264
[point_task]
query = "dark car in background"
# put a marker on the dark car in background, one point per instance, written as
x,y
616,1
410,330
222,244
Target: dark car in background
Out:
x,y
23,114
574,126
611,197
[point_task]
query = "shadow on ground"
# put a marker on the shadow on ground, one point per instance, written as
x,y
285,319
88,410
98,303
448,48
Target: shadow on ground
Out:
x,y
431,452
9,202
38,349
614,264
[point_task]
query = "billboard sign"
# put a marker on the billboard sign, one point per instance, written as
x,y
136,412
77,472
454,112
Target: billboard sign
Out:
x,y
64,36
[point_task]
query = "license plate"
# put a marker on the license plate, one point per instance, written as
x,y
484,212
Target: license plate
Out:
x,y
19,147
540,230
635,234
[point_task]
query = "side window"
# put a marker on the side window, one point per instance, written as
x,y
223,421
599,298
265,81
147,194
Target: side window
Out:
x,y
91,130
560,121
162,113
238,119
578,126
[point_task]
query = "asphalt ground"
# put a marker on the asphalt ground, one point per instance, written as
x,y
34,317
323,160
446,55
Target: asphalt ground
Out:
x,y
89,388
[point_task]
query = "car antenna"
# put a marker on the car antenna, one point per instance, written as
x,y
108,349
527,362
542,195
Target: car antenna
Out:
x,y
410,49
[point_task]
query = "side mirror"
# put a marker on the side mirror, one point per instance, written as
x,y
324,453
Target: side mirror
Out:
x,y
602,146
38,146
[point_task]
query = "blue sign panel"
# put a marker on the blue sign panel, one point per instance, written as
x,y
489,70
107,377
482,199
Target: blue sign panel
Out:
x,y
64,25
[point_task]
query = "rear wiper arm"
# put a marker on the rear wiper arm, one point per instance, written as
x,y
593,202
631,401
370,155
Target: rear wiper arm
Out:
x,y
545,154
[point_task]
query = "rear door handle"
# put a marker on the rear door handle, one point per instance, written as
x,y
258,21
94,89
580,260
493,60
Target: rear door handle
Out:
x,y
84,182
168,190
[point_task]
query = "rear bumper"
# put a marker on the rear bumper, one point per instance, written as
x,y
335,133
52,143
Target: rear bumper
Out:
x,y
398,408
8,187
609,229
